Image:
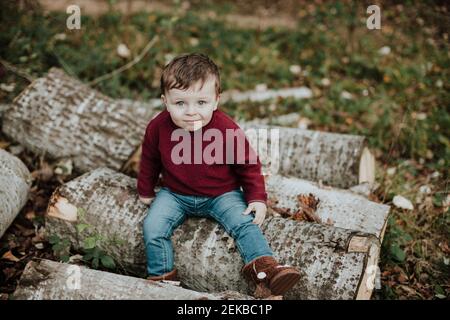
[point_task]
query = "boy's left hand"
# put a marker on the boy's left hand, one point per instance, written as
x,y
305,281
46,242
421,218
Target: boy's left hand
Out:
x,y
260,209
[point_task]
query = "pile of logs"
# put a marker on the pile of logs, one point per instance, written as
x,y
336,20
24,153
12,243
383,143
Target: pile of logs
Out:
x,y
337,254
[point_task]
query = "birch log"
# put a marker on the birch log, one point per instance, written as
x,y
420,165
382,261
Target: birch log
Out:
x,y
263,95
49,280
64,118
334,261
340,208
339,160
3,109
15,182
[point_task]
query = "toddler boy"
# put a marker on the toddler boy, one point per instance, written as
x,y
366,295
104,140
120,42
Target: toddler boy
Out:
x,y
203,178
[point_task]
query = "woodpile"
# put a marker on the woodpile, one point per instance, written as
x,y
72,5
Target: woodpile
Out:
x,y
333,235
333,260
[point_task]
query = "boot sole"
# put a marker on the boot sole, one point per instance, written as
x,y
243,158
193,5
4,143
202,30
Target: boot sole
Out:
x,y
284,281
171,276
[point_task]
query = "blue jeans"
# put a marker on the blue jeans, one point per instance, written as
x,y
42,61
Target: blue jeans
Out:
x,y
169,210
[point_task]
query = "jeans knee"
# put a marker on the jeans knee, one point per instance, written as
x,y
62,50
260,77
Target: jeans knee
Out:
x,y
153,231
240,228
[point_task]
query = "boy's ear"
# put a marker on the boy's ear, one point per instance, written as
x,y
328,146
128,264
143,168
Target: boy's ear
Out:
x,y
217,102
164,100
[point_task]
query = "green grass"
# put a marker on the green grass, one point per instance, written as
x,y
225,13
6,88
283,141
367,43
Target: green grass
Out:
x,y
400,101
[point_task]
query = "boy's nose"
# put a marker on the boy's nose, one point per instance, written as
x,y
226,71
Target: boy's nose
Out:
x,y
190,110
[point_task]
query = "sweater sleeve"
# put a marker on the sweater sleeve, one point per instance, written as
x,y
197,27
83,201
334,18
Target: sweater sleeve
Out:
x,y
150,165
247,167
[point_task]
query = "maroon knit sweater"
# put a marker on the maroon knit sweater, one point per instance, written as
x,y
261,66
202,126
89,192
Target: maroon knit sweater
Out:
x,y
194,178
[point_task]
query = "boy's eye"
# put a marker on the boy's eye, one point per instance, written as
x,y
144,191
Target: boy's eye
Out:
x,y
179,103
201,102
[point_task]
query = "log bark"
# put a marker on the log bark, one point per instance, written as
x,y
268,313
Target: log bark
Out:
x,y
333,261
290,120
49,280
339,160
3,109
64,118
337,207
256,95
15,182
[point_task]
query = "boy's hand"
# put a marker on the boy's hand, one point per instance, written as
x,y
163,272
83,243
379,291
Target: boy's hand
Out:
x,y
260,209
146,200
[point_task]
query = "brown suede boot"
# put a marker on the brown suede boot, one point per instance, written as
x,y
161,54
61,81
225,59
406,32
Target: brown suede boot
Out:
x,y
172,276
267,271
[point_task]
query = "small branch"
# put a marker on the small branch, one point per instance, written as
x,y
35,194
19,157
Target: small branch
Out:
x,y
16,70
128,65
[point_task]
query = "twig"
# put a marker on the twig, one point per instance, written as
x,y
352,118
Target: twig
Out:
x,y
128,65
16,70
64,65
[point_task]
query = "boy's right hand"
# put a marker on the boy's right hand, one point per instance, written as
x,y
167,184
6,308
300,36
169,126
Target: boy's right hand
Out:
x,y
146,200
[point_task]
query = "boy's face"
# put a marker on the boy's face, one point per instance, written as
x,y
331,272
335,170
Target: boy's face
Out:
x,y
192,109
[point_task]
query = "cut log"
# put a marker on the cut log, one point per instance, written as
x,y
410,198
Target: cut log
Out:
x,y
49,280
335,263
205,255
64,118
15,182
339,160
340,208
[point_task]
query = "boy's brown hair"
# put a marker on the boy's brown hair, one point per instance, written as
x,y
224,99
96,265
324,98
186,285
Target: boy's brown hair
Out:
x,y
185,70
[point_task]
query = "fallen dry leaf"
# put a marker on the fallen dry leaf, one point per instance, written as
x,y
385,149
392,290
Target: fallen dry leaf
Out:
x,y
307,208
4,144
30,215
262,291
9,256
444,247
44,173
